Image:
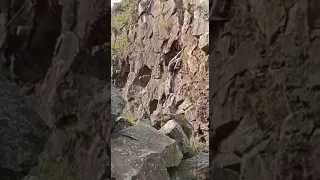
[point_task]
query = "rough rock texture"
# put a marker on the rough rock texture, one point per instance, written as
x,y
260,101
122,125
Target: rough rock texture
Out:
x,y
142,151
265,105
23,133
161,30
175,131
118,104
61,51
189,168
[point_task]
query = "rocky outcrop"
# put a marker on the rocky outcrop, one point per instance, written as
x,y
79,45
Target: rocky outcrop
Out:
x,y
264,89
60,51
175,131
23,133
168,111
141,151
190,168
160,30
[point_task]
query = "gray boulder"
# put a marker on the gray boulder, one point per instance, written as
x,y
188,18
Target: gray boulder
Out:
x,y
189,168
117,104
23,133
175,131
142,151
120,124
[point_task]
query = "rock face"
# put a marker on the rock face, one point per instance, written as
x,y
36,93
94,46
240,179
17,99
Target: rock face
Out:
x,y
23,133
161,29
143,152
168,109
61,51
264,89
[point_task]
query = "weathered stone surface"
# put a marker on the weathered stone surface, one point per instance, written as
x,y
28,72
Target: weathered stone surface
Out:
x,y
117,104
175,131
61,49
224,174
136,149
142,77
188,169
30,178
185,124
120,124
204,42
23,133
264,91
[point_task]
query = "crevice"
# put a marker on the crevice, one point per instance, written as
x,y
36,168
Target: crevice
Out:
x,y
66,121
153,105
234,167
222,132
163,98
143,77
122,77
179,103
33,58
174,50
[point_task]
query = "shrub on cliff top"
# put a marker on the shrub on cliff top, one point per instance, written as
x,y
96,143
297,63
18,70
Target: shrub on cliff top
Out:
x,y
125,17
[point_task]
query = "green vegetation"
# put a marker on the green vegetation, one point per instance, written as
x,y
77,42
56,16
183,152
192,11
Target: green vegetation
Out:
x,y
129,117
195,147
127,10
165,23
50,170
188,5
185,56
165,77
119,44
125,17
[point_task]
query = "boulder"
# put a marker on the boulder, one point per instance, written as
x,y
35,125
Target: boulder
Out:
x,y
117,102
189,168
142,151
185,124
204,42
22,133
120,124
175,131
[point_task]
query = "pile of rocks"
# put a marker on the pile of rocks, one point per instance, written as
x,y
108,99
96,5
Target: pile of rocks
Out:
x,y
143,152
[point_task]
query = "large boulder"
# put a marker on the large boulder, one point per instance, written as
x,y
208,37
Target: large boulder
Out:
x,y
117,103
22,133
189,168
144,152
175,131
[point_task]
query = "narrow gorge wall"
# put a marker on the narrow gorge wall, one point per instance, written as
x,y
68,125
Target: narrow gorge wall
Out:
x,y
61,52
265,106
160,30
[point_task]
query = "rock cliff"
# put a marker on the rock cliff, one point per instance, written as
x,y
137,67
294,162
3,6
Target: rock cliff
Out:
x,y
160,66
264,116
58,52
142,48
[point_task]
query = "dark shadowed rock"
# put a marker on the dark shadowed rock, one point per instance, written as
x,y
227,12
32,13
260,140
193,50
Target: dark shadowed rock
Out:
x,y
188,169
22,134
117,102
265,90
224,174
